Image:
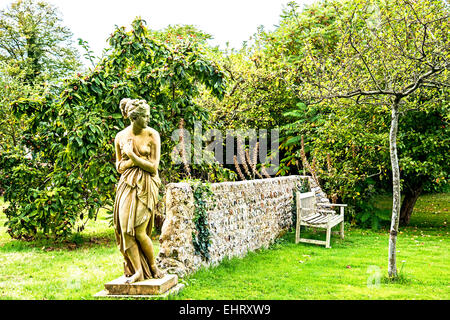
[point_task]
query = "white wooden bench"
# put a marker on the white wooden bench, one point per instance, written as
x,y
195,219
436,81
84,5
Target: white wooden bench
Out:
x,y
310,216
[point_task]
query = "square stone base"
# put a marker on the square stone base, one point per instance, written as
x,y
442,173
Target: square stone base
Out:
x,y
150,287
172,291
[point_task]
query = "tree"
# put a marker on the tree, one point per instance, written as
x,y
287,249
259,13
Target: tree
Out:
x,y
353,140
424,142
71,135
389,51
35,53
11,89
35,44
348,136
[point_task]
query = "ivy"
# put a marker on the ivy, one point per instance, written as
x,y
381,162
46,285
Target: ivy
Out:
x,y
304,186
201,235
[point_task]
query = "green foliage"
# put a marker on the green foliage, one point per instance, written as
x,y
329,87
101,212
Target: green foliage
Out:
x,y
173,34
424,137
259,90
11,89
351,149
68,138
88,53
304,186
35,53
71,136
348,138
201,236
368,216
35,44
189,36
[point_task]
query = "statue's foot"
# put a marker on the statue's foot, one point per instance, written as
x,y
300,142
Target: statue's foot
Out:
x,y
157,274
134,278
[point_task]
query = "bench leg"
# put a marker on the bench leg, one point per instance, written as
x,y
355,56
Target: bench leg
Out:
x,y
328,238
297,232
342,230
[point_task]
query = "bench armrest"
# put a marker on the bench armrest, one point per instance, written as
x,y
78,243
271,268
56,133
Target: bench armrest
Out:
x,y
327,211
333,204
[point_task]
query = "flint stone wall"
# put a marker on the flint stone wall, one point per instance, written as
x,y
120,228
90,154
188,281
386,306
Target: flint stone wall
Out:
x,y
247,215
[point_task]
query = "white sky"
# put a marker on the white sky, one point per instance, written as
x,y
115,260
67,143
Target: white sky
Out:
x,y
226,20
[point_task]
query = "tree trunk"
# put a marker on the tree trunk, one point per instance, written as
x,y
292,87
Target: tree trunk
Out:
x,y
392,267
13,134
411,196
34,54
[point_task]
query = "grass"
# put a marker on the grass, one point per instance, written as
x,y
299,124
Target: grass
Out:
x,y
78,268
430,211
73,269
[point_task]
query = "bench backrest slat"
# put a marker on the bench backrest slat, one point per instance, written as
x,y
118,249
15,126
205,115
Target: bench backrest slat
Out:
x,y
307,201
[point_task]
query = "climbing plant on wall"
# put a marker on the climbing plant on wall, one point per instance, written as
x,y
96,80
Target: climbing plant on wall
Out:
x,y
201,236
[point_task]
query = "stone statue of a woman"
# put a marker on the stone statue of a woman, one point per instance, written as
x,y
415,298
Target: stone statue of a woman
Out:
x,y
138,149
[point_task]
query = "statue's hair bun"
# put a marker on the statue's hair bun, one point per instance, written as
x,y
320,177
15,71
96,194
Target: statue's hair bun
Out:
x,y
124,106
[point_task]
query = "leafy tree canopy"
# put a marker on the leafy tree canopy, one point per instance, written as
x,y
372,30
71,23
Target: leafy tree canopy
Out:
x,y
35,44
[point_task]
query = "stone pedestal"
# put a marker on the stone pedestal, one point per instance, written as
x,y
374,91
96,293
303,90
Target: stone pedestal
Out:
x,y
147,288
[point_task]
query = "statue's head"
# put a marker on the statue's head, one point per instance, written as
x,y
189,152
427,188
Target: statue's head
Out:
x,y
135,109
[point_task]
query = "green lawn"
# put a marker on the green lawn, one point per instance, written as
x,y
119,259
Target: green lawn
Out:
x,y
77,269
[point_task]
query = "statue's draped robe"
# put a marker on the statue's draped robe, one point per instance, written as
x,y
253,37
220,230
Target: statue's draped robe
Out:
x,y
135,185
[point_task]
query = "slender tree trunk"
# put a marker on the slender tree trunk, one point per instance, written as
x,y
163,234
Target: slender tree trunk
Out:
x,y
409,200
33,54
392,267
13,135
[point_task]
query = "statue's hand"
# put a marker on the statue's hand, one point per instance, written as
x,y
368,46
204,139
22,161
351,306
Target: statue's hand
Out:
x,y
128,164
128,148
